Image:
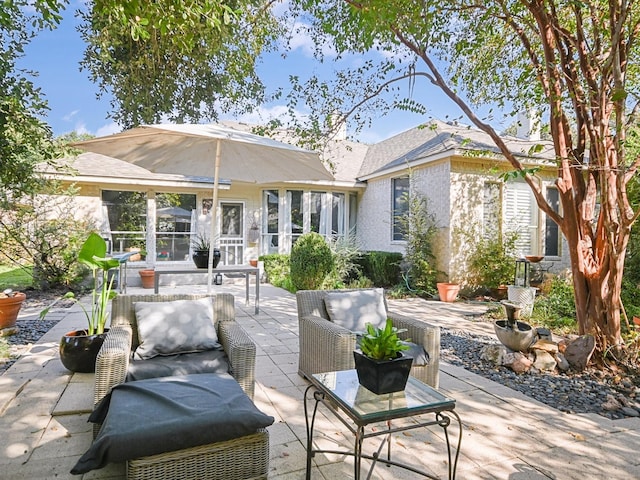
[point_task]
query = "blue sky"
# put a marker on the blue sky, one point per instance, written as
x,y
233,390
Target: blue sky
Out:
x,y
73,104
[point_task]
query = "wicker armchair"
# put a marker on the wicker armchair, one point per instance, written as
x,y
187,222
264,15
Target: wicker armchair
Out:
x,y
326,347
241,458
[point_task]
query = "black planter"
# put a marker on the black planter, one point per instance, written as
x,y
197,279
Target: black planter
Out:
x,y
78,351
201,258
382,376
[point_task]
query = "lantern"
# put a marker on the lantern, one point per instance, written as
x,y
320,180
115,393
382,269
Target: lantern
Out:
x,y
522,274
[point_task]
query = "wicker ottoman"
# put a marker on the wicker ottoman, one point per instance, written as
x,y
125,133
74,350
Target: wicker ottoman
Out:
x,y
238,459
188,427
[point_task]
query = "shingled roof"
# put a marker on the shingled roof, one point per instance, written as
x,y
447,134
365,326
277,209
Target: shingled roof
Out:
x,y
434,139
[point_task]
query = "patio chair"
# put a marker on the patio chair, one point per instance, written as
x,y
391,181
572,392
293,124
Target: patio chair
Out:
x,y
326,346
238,458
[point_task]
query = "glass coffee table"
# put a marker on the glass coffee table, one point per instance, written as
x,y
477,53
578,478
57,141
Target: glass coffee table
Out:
x,y
356,407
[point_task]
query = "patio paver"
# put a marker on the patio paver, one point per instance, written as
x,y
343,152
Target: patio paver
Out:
x,y
506,435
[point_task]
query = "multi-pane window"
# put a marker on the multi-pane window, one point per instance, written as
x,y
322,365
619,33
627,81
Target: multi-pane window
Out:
x,y
303,211
521,215
552,232
271,205
400,206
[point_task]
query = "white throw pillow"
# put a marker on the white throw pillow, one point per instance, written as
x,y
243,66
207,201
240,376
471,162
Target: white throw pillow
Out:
x,y
180,326
353,310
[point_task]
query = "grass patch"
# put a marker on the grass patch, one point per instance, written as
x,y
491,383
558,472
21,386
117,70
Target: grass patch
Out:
x,y
17,278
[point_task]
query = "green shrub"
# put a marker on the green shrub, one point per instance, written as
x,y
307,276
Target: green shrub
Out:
x,y
493,260
630,297
555,307
276,266
345,253
382,268
311,261
420,230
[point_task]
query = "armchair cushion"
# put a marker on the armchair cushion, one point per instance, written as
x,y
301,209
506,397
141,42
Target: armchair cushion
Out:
x,y
180,326
354,309
210,361
418,353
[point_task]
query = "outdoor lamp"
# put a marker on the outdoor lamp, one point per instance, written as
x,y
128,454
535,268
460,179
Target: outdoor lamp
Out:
x,y
522,274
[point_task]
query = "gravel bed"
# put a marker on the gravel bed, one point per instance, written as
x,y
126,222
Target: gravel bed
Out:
x,y
584,392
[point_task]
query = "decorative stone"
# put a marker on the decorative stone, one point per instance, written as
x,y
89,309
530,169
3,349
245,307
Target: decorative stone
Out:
x,y
630,412
546,345
5,332
493,354
544,333
517,362
544,361
561,360
611,404
579,351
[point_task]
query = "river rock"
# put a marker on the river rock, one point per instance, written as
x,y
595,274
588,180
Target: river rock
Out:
x,y
544,361
579,351
561,360
494,354
546,345
544,333
517,361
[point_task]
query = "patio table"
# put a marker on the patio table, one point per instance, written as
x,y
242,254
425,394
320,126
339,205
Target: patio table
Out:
x,y
246,270
352,404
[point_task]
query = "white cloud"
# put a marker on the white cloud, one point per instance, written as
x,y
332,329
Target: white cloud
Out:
x,y
69,116
108,129
301,40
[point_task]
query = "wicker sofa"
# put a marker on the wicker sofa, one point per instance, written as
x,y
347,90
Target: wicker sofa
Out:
x,y
326,346
240,458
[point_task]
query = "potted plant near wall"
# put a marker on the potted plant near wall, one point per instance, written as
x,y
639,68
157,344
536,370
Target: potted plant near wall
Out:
x,y
380,365
79,348
10,304
201,245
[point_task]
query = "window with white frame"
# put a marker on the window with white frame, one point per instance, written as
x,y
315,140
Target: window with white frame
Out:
x,y
521,214
400,205
271,219
291,213
552,236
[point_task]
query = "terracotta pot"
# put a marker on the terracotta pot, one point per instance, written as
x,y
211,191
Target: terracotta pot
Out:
x,y
147,276
78,351
9,308
448,292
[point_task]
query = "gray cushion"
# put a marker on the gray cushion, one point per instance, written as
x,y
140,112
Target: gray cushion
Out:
x,y
181,326
166,414
209,361
418,353
353,310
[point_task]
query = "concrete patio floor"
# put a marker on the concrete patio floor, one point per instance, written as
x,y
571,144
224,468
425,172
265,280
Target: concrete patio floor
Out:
x,y
506,435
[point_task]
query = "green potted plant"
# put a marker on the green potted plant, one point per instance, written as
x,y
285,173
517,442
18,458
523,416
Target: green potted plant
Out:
x,y
201,244
79,348
380,365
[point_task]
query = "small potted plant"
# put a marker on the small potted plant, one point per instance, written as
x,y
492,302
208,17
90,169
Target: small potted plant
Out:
x,y
380,365
79,348
201,245
10,304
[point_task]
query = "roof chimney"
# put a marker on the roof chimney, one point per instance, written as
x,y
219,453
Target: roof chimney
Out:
x,y
528,126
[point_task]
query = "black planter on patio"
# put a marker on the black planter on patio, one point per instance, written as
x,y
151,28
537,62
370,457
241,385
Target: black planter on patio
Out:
x,y
382,376
201,258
